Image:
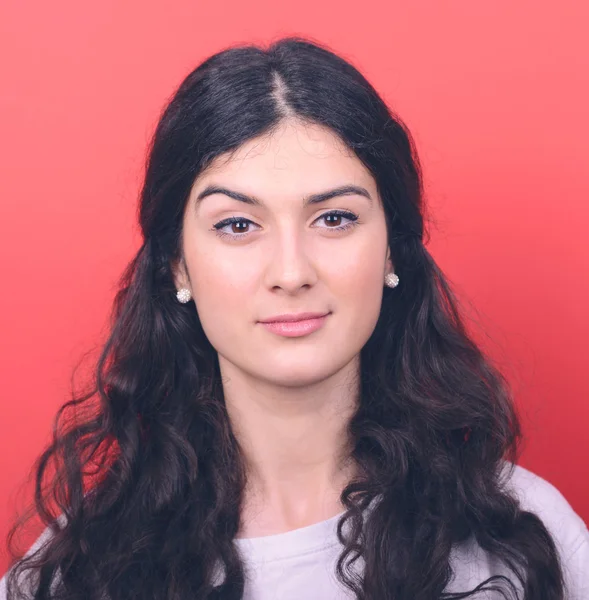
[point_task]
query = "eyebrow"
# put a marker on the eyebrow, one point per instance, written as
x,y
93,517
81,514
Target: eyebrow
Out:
x,y
344,190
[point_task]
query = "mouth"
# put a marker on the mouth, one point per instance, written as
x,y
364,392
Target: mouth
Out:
x,y
295,325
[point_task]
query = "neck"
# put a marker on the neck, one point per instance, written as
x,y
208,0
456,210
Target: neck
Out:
x,y
296,445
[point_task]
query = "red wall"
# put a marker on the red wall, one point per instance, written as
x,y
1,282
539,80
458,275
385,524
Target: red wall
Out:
x,y
496,94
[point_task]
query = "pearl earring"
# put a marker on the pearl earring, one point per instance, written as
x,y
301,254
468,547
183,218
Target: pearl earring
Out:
x,y
183,295
391,280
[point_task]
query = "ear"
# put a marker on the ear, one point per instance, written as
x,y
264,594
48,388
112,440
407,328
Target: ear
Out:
x,y
390,267
180,275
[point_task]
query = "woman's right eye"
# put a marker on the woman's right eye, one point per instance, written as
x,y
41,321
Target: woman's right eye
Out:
x,y
238,227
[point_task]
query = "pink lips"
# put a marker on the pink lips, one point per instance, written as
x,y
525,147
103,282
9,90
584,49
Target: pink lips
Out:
x,y
295,325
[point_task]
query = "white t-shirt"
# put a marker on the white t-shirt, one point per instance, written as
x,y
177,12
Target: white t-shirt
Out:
x,y
301,563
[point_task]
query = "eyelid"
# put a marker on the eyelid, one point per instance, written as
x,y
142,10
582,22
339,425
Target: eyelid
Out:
x,y
347,214
230,220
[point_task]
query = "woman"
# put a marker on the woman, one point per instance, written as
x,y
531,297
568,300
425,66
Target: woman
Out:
x,y
288,404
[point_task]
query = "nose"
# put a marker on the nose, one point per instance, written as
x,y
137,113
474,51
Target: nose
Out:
x,y
290,261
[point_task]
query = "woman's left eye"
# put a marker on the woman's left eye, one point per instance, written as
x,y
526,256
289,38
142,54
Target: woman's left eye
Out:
x,y
334,217
240,225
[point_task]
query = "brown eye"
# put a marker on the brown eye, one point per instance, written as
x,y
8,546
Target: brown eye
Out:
x,y
332,219
234,227
239,226
338,220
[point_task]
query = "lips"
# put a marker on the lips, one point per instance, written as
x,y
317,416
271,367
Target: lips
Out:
x,y
293,318
295,325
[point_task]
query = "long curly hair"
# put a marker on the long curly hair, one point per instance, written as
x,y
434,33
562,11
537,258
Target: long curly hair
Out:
x,y
146,474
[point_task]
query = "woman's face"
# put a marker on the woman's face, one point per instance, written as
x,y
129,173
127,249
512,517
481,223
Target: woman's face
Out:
x,y
281,254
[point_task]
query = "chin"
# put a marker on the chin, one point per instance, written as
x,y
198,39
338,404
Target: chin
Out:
x,y
294,381
305,373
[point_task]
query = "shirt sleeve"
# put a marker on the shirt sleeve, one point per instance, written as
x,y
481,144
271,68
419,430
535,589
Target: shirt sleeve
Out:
x,y
576,568
37,544
566,527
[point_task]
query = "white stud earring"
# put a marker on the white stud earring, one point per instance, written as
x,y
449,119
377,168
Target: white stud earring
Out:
x,y
391,280
183,295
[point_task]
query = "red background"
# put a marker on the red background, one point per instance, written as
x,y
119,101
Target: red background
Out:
x,y
495,93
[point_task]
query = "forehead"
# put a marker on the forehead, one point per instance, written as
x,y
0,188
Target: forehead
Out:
x,y
298,156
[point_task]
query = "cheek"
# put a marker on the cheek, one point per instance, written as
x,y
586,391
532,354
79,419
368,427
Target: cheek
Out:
x,y
359,298
358,269
359,286
221,288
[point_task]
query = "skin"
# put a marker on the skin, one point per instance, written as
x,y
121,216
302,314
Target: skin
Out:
x,y
289,399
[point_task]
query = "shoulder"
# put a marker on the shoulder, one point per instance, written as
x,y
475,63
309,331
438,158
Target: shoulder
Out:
x,y
541,497
567,528
46,535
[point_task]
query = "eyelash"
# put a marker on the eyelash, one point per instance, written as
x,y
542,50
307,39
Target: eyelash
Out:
x,y
336,213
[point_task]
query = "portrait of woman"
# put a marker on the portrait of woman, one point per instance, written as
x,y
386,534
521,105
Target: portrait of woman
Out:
x,y
289,405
